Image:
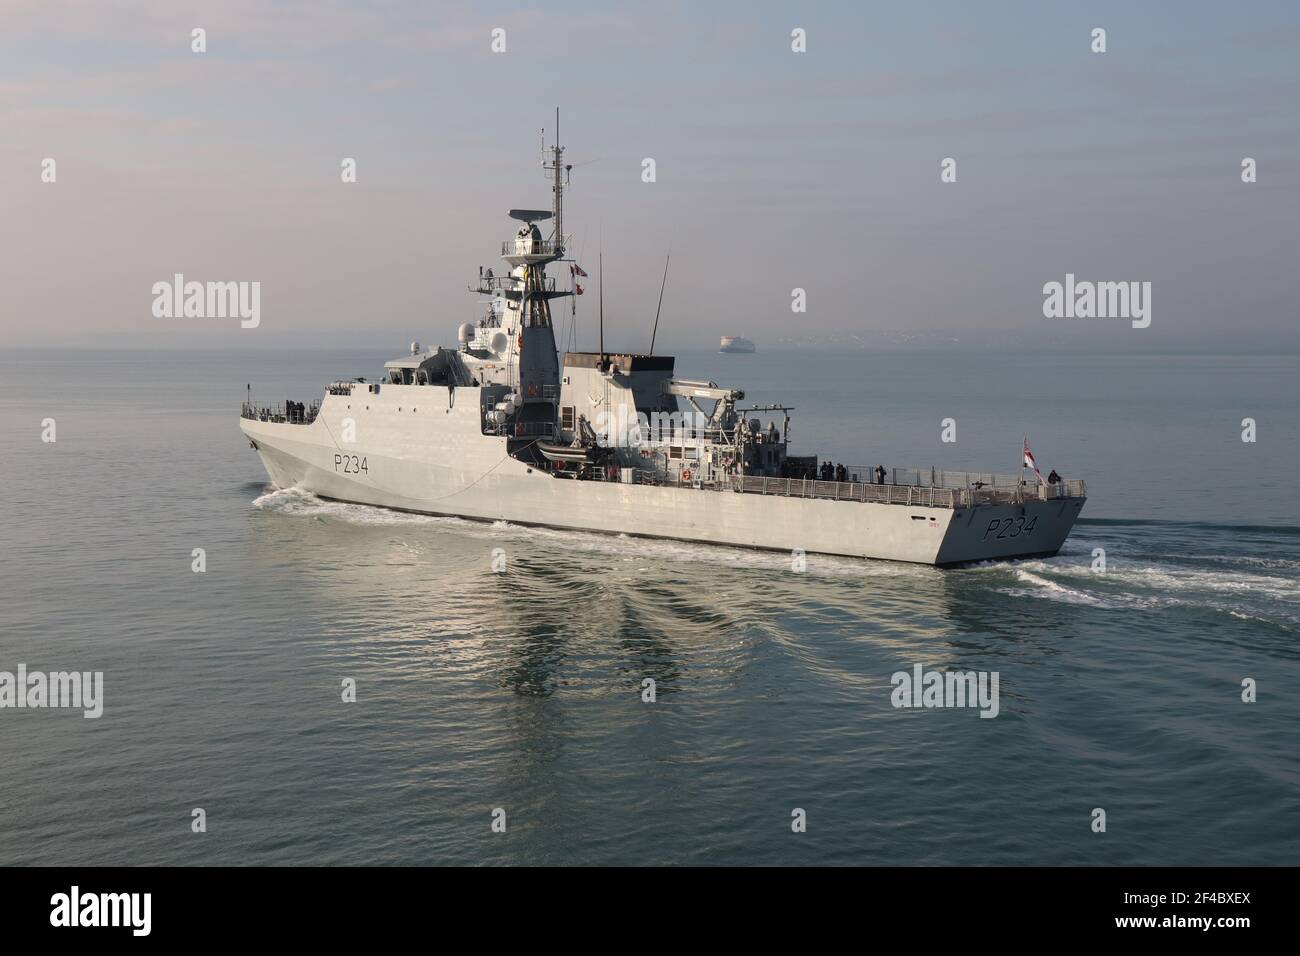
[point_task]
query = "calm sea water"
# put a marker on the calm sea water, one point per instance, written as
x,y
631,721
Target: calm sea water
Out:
x,y
521,690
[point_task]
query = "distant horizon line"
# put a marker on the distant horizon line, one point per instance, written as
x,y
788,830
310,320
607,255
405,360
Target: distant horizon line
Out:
x,y
1291,348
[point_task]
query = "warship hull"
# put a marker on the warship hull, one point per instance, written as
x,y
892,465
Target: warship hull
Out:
x,y
422,449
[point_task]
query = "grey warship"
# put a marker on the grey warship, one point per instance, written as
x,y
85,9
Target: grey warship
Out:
x,y
502,427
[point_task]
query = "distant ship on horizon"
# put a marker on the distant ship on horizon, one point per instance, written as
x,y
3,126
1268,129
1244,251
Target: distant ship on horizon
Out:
x,y
736,343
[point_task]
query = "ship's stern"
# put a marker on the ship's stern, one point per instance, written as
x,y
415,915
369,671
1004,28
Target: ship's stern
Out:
x,y
1033,528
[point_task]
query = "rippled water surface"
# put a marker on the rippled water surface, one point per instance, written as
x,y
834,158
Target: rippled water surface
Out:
x,y
522,689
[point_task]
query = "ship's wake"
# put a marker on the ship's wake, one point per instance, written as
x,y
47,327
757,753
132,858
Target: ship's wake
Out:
x,y
1139,570
304,504
1126,569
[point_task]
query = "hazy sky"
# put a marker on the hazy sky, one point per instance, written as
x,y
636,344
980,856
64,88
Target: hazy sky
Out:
x,y
775,169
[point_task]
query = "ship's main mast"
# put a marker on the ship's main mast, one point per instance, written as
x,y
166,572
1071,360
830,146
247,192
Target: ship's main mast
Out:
x,y
559,171
531,353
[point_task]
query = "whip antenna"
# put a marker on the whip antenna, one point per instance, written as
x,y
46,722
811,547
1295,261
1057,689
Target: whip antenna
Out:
x,y
655,332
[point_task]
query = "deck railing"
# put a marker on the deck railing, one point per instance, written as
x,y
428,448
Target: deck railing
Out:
x,y
521,429
548,248
943,492
507,284
295,413
983,489
935,477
